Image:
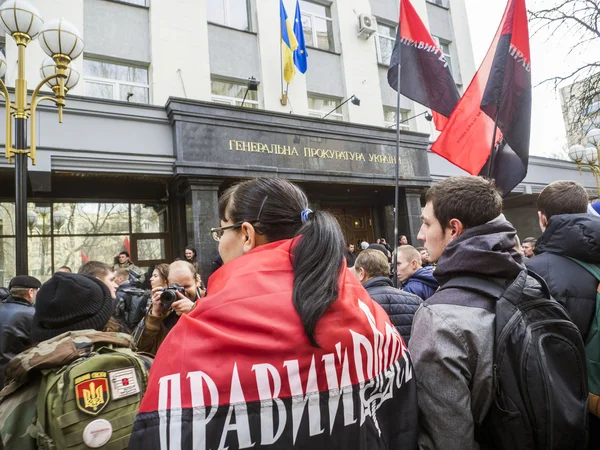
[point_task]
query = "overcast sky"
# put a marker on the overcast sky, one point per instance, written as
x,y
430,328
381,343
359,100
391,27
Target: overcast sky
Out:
x,y
548,58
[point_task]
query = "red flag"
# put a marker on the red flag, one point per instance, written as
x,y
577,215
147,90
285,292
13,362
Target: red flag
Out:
x,y
84,258
126,245
425,75
500,90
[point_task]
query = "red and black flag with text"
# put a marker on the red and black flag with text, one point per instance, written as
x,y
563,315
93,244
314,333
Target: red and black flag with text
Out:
x,y
425,75
500,93
253,380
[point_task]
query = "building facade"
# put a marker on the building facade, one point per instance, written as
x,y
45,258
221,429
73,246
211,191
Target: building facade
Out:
x,y
162,122
580,104
155,131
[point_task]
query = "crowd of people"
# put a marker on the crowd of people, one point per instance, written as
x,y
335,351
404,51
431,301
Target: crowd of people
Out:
x,y
302,341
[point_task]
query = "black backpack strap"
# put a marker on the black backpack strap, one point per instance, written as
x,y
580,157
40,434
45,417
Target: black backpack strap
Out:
x,y
542,282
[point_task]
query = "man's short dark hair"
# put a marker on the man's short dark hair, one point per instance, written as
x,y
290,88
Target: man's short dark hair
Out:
x,y
472,200
563,197
124,253
95,269
420,249
530,240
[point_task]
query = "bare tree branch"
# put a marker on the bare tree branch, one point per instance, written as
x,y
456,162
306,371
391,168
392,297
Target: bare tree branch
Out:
x,y
580,87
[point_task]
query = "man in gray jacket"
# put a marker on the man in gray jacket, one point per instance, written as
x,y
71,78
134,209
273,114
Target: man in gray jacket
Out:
x,y
452,341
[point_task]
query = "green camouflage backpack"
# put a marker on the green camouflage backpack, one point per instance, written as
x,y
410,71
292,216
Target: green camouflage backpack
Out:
x,y
90,402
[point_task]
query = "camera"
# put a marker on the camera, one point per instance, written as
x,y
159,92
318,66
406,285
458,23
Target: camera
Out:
x,y
169,295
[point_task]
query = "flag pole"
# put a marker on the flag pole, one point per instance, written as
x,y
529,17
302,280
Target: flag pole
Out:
x,y
396,187
281,52
493,151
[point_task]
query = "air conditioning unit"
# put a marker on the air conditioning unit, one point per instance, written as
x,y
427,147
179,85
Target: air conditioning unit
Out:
x,y
367,25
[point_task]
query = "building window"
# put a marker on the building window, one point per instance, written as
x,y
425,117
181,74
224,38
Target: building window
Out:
x,y
231,13
592,108
231,93
442,3
116,81
320,106
445,48
318,25
389,117
384,42
68,234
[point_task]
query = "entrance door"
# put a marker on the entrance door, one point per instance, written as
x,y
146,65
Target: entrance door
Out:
x,y
356,223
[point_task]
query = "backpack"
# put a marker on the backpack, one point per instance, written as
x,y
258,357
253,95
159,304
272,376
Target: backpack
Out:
x,y
92,402
131,305
592,346
539,371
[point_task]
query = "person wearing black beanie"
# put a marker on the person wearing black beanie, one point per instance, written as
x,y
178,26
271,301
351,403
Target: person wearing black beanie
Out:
x,y
78,369
70,302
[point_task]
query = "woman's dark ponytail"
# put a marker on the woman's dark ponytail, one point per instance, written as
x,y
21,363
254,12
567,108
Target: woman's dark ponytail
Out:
x,y
318,261
279,210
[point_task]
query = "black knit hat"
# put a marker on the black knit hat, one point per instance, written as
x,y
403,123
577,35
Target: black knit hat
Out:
x,y
69,302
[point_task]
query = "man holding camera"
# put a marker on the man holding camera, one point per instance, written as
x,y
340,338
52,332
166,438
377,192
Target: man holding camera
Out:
x,y
168,305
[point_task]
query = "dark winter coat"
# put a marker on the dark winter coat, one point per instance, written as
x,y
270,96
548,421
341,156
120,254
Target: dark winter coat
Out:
x,y
577,236
421,283
16,315
350,259
400,306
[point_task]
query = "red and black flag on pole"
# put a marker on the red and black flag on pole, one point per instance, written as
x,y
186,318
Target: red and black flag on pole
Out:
x,y
496,107
425,75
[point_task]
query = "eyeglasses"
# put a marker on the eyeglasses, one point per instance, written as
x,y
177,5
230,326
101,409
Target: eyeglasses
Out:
x,y
217,233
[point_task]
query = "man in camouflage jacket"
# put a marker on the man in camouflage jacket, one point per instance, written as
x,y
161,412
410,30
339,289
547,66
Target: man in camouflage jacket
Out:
x,y
18,400
61,341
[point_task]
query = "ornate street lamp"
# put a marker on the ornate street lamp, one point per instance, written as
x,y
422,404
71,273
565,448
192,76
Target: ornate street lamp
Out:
x,y
31,219
588,157
59,218
62,42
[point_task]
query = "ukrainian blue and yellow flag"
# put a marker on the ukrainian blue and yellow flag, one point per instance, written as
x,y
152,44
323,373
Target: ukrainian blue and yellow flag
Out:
x,y
289,44
300,55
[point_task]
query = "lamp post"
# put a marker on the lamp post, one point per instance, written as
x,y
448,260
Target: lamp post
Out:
x,y
353,99
588,157
61,41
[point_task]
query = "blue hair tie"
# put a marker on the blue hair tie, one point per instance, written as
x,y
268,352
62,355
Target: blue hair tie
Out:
x,y
304,215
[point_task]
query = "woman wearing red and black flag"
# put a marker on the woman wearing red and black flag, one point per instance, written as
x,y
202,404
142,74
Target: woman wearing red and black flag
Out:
x,y
288,350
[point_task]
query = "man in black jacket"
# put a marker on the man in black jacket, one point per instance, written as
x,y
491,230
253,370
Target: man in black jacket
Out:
x,y
569,232
350,255
373,271
16,315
